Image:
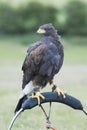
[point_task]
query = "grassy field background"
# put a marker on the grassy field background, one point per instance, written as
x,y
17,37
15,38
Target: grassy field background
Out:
x,y
72,78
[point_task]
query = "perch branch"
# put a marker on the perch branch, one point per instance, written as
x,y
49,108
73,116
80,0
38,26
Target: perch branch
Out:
x,y
49,97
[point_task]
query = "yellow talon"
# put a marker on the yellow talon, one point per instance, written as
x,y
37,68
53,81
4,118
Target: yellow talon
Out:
x,y
38,95
60,92
56,89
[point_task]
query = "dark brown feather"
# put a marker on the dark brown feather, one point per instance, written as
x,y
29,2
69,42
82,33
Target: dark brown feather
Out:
x,y
44,59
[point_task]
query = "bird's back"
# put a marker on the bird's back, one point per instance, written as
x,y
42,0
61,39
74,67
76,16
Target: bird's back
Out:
x,y
44,59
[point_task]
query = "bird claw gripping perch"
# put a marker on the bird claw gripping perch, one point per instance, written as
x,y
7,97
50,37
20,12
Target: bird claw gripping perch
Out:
x,y
38,95
58,91
49,97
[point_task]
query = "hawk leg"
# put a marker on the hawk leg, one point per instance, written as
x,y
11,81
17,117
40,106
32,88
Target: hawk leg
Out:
x,y
38,95
56,89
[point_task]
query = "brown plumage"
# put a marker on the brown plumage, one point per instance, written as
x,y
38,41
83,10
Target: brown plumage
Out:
x,y
44,58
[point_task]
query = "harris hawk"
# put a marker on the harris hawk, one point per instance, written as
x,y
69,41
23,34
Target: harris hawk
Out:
x,y
43,60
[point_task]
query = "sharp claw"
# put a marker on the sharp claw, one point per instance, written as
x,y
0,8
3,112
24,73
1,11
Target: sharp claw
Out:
x,y
38,99
63,93
60,92
38,96
42,96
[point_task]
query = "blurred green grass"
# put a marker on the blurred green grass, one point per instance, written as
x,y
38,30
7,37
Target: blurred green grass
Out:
x,y
72,77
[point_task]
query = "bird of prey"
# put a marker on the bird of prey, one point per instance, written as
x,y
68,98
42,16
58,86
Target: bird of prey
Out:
x,y
43,60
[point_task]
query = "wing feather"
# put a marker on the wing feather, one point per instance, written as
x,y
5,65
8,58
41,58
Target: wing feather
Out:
x,y
41,60
32,62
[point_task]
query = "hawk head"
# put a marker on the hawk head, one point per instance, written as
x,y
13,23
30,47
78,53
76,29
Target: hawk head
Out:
x,y
47,29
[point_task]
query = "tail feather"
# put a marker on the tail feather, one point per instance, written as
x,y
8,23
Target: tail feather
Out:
x,y
19,104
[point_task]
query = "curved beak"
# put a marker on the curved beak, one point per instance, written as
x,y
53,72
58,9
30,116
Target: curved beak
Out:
x,y
41,31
